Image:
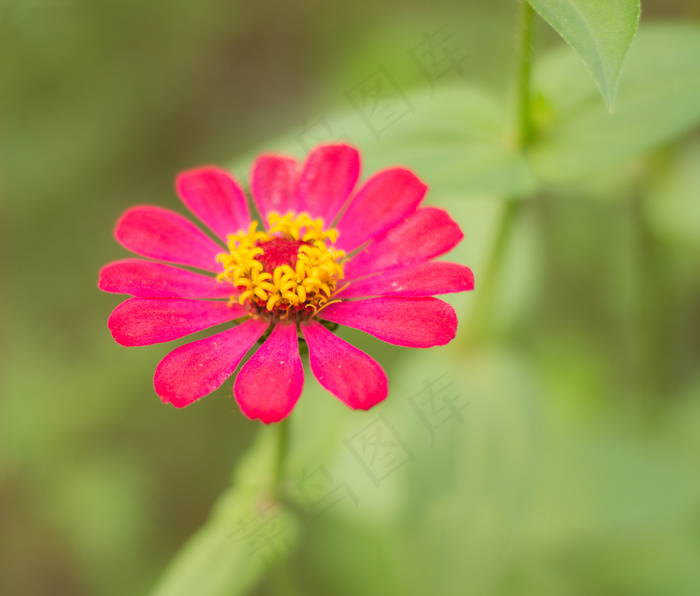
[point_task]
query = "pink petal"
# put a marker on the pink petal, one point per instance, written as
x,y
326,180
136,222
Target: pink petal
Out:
x,y
426,234
348,373
274,184
330,173
198,368
146,321
154,280
384,201
410,322
215,198
270,383
424,279
166,236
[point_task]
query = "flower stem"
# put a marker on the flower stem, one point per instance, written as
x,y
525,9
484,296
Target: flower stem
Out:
x,y
487,292
282,431
523,75
481,313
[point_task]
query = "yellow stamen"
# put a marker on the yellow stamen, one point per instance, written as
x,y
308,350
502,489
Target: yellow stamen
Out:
x,y
309,283
272,301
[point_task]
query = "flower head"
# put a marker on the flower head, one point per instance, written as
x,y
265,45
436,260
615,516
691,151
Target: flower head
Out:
x,y
324,255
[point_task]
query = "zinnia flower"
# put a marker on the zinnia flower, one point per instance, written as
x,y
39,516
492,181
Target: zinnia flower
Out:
x,y
323,257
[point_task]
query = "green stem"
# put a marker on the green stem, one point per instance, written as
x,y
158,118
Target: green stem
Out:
x,y
654,361
524,72
481,313
282,431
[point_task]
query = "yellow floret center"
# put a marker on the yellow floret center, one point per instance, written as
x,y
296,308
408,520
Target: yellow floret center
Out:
x,y
291,270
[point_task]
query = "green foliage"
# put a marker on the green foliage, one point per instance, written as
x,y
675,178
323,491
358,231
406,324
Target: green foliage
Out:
x,y
513,496
457,136
657,101
231,553
600,31
672,205
572,466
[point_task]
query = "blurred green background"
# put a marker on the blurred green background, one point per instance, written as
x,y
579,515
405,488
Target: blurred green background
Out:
x,y
561,456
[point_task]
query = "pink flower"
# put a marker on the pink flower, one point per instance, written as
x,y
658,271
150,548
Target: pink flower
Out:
x,y
326,256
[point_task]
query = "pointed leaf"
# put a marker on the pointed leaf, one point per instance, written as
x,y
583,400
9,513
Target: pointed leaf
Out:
x,y
600,31
657,101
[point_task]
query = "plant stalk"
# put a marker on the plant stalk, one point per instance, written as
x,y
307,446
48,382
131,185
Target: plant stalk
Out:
x,y
282,431
526,30
483,308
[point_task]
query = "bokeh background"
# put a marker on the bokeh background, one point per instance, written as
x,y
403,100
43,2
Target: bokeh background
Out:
x,y
562,454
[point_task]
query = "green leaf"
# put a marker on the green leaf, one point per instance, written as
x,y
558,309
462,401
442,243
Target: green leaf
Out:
x,y
470,484
600,31
439,473
671,199
657,101
489,478
455,138
248,535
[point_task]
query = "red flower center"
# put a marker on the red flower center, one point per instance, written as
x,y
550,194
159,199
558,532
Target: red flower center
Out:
x,y
278,252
